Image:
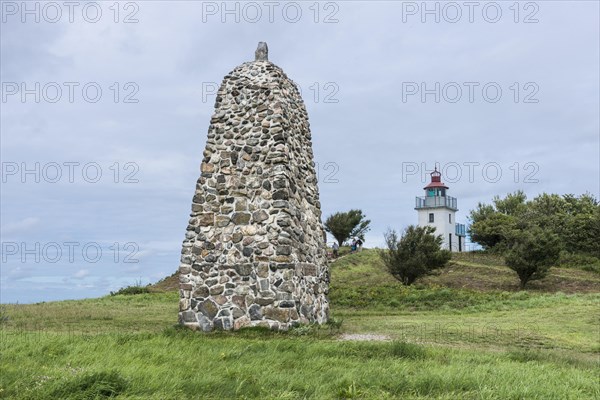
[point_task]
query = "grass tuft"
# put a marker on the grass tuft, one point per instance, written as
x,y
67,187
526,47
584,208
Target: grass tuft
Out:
x,y
98,385
407,350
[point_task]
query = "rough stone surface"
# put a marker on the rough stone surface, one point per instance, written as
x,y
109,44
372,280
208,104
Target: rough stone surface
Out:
x,y
254,251
262,52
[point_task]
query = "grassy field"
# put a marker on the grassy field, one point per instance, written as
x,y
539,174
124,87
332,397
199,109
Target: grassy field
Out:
x,y
467,333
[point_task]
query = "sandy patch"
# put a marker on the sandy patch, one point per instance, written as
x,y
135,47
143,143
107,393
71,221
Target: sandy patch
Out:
x,y
364,337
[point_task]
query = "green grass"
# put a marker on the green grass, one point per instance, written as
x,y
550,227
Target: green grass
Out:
x,y
360,282
448,340
175,364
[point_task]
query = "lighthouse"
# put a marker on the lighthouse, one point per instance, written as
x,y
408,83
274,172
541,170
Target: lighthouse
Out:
x,y
437,209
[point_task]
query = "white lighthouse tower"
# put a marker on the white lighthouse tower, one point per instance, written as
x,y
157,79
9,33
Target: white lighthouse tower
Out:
x,y
438,210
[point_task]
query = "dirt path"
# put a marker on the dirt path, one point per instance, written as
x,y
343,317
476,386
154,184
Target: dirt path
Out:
x,y
365,337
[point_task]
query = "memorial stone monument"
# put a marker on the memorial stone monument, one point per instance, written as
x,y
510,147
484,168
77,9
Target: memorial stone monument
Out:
x,y
254,252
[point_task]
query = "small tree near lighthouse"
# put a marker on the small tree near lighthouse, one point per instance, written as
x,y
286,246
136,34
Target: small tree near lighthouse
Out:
x,y
416,253
532,252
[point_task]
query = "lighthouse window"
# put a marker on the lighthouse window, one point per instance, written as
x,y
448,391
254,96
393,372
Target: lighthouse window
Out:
x,y
430,217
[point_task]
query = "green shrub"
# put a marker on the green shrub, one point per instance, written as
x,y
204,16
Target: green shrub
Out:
x,y
532,252
417,252
136,288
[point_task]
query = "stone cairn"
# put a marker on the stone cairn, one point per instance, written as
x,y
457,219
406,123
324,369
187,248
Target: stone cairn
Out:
x,y
254,252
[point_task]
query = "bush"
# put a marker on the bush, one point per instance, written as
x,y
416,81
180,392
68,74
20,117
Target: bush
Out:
x,y
136,288
418,252
531,253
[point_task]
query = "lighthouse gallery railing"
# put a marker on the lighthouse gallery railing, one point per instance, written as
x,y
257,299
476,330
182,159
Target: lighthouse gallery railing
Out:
x,y
436,201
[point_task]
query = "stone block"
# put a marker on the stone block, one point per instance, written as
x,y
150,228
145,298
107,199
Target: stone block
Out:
x,y
208,308
277,314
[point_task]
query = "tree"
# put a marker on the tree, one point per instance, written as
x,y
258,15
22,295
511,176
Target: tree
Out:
x,y
491,232
344,225
583,233
490,225
512,204
531,253
418,252
575,219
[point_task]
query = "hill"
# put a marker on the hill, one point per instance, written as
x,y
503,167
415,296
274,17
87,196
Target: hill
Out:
x,y
360,280
465,333
474,271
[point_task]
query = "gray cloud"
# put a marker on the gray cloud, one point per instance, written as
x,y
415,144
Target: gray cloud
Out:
x,y
369,133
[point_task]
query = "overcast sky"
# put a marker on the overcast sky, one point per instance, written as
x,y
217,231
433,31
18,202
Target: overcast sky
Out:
x,y
501,97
